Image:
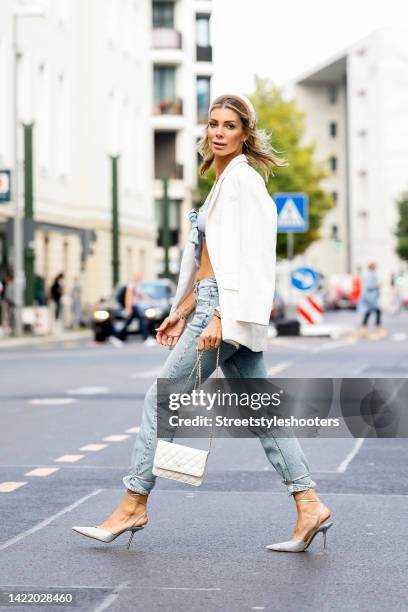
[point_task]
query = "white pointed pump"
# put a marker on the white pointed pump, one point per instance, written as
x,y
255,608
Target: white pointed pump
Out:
x,y
103,535
301,545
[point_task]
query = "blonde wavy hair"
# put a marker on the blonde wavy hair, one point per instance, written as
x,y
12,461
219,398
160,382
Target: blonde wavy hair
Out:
x,y
257,148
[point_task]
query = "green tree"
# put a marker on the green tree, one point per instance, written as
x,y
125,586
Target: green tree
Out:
x,y
286,124
402,227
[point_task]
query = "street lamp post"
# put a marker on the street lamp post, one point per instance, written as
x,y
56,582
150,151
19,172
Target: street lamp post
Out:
x,y
18,260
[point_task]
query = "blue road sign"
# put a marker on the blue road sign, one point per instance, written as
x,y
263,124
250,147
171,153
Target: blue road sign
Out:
x,y
305,279
5,186
293,212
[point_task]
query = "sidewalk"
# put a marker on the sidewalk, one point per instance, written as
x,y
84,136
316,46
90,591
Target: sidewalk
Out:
x,y
30,340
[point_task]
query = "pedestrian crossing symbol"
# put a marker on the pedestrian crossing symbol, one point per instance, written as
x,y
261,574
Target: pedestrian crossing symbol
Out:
x,y
292,211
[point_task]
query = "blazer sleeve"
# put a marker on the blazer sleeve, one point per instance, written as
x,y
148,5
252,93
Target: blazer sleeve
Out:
x,y
257,269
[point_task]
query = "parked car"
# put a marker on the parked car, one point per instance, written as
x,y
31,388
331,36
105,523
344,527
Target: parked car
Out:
x,y
344,291
109,315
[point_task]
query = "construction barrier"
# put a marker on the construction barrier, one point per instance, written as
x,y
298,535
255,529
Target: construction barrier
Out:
x,y
310,310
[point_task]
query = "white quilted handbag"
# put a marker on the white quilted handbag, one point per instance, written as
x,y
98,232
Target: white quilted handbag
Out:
x,y
183,463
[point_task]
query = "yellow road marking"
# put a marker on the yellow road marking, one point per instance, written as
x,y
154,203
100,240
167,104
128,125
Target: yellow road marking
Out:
x,y
7,487
41,472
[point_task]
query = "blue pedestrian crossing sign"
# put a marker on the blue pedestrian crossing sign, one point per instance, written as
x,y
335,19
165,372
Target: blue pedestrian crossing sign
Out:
x,y
293,212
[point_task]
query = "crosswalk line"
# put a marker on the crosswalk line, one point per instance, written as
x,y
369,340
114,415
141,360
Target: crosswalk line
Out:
x,y
69,458
9,486
133,430
93,447
115,438
41,472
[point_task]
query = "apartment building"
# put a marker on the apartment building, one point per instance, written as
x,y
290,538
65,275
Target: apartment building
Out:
x,y
84,85
182,71
110,87
355,106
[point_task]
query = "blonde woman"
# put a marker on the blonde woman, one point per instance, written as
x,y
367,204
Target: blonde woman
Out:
x,y
223,300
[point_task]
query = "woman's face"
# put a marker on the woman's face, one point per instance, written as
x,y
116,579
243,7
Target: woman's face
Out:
x,y
225,132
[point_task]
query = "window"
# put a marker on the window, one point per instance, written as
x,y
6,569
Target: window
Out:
x,y
333,163
174,221
203,98
163,14
334,196
165,160
333,129
203,30
332,94
164,84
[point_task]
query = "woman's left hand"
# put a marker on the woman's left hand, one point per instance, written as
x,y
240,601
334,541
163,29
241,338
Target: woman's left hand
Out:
x,y
211,337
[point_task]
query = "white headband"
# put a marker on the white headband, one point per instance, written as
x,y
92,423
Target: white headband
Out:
x,y
248,104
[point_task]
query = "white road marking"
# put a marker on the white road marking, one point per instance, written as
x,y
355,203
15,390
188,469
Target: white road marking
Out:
x,y
52,401
88,391
93,447
145,374
279,367
115,438
69,458
350,456
9,486
398,337
108,601
328,346
41,472
187,589
49,520
132,430
289,344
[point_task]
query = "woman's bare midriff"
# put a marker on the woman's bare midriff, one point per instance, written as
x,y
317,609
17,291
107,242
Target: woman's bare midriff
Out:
x,y
205,270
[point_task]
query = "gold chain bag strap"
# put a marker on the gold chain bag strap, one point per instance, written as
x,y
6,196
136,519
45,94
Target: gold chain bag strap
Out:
x,y
179,462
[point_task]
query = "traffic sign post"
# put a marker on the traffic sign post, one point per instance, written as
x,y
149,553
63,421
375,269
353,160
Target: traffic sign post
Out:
x,y
293,218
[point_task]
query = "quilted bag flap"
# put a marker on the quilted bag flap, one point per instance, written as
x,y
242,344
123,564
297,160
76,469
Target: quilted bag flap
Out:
x,y
179,458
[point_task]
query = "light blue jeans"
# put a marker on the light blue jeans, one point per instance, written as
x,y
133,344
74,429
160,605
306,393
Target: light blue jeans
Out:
x,y
285,454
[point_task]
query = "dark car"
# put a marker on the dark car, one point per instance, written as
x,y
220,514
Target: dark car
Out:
x,y
109,315
278,308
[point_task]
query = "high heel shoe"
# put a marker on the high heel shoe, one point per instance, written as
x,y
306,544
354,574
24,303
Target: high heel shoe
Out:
x,y
301,545
103,535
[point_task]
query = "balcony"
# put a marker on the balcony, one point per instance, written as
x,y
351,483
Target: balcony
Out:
x,y
166,38
172,170
169,107
203,54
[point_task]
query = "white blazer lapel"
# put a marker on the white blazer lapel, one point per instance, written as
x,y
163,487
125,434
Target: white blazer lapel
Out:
x,y
239,159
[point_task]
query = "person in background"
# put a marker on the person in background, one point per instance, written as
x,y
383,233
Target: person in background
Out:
x,y
56,292
7,304
370,301
133,296
76,303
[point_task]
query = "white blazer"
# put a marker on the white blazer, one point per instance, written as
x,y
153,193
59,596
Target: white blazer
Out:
x,y
241,241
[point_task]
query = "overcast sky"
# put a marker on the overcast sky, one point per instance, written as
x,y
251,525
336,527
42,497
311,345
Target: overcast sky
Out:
x,y
281,39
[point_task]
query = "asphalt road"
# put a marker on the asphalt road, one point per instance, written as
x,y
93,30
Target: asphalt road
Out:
x,y
204,549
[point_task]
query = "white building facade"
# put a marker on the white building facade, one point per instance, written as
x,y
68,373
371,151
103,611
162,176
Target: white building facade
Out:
x,y
355,108
105,79
182,71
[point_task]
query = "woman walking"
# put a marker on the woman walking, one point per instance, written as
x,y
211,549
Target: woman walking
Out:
x,y
223,300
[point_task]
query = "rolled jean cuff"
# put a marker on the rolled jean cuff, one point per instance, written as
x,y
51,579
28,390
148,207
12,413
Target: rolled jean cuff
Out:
x,y
305,482
138,485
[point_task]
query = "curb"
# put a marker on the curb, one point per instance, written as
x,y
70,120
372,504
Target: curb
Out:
x,y
32,341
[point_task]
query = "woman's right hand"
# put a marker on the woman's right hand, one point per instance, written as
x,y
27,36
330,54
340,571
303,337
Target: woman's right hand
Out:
x,y
170,330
